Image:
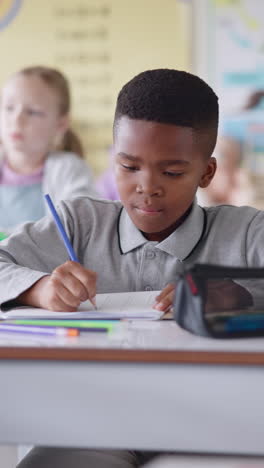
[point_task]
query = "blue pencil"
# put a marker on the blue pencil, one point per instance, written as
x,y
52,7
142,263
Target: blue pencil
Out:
x,y
61,229
63,234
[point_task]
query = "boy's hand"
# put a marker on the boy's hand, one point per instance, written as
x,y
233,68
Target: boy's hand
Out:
x,y
63,290
165,298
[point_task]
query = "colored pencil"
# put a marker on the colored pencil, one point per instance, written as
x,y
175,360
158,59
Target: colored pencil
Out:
x,y
34,330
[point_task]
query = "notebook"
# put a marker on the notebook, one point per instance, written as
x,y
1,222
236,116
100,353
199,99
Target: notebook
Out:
x,y
128,305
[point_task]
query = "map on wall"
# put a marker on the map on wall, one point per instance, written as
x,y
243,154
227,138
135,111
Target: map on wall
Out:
x,y
236,50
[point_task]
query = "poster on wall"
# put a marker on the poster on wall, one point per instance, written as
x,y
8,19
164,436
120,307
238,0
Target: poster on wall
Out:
x,y
98,45
235,49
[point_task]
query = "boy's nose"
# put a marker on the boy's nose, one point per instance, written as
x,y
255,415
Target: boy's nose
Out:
x,y
151,192
148,186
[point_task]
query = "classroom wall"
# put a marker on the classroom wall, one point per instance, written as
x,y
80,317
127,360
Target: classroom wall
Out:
x,y
99,44
228,48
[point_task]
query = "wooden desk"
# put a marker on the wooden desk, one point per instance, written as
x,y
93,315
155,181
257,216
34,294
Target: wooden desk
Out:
x,y
148,386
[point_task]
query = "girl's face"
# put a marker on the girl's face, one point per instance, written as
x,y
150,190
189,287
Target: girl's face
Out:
x,y
29,118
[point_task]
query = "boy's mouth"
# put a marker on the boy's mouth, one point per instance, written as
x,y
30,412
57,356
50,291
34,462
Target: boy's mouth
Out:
x,y
148,210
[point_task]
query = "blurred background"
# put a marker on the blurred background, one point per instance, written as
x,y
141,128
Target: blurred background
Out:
x,y
101,44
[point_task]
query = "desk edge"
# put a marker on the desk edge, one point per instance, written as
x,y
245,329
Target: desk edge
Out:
x,y
133,356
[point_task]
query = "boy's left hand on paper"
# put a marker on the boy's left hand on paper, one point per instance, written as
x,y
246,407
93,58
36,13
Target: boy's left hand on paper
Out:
x,y
164,300
67,286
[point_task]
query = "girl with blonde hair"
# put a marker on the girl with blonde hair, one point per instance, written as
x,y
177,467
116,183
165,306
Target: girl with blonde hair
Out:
x,y
40,152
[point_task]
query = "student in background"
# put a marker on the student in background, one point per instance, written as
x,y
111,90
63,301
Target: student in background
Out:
x,y
231,184
165,130
39,151
240,154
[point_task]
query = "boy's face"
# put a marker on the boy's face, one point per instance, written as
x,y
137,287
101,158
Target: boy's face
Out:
x,y
158,170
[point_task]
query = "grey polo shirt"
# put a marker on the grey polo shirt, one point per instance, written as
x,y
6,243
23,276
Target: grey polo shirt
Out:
x,y
106,241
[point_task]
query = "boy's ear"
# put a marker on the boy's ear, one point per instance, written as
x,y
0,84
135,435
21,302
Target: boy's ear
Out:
x,y
209,173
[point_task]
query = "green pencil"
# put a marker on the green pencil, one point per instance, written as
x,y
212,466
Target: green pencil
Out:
x,y
3,235
66,323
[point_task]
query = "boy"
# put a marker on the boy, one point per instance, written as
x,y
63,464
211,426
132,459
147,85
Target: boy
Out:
x,y
165,130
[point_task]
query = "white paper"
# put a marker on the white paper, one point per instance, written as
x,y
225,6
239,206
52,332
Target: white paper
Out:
x,y
128,305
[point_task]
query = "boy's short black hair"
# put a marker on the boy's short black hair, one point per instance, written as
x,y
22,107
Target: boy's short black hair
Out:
x,y
171,97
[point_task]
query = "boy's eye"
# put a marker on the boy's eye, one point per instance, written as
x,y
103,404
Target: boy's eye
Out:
x,y
173,174
129,168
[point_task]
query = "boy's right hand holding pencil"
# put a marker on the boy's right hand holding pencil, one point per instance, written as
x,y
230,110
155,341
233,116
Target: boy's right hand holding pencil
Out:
x,y
67,286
